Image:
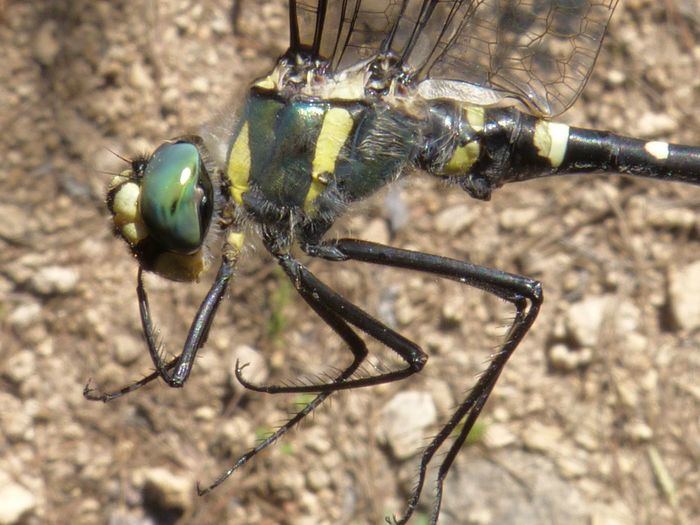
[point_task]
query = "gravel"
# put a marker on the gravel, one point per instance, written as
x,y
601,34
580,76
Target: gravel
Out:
x,y
608,371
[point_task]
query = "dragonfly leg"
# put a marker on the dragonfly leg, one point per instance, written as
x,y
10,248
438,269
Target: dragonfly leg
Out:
x,y
197,336
526,296
305,286
306,282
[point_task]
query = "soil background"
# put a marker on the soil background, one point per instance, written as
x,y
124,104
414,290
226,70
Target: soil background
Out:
x,y
595,420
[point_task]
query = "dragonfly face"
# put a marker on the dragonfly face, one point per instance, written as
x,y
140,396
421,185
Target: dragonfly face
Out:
x,y
163,206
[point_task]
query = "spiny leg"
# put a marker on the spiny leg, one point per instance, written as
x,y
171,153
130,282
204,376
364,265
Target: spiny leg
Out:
x,y
93,394
300,277
199,329
518,290
409,351
492,281
197,336
485,385
470,409
524,293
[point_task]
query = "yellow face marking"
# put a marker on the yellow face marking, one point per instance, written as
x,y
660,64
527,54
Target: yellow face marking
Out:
x,y
462,159
475,117
125,210
551,140
180,267
238,170
125,203
337,124
658,150
118,180
134,232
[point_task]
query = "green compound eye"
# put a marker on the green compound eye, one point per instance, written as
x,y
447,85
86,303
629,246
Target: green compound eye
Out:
x,y
177,197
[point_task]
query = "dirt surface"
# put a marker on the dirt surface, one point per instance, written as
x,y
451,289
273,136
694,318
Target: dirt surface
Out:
x,y
592,422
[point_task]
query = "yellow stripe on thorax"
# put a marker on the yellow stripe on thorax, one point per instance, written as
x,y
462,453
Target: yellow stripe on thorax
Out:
x,y
337,124
476,115
238,170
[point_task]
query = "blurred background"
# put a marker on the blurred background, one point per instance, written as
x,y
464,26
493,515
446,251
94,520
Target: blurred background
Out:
x,y
595,420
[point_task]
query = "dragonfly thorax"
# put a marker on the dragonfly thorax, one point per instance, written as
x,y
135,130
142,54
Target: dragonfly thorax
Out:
x,y
309,157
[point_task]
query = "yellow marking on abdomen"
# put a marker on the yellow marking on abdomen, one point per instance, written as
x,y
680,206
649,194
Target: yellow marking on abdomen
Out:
x,y
337,124
551,140
462,159
464,156
238,170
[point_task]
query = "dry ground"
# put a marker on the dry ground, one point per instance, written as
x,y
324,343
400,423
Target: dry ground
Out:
x,y
614,440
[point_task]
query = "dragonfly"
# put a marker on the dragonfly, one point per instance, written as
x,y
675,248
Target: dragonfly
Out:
x,y
367,92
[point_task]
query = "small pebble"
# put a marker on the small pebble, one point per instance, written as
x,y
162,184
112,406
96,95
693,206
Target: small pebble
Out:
x,y
614,514
16,502
166,489
52,280
205,413
46,45
566,359
405,419
235,436
499,435
317,479
683,293
639,431
20,366
25,315
517,218
15,222
127,349
586,318
455,219
542,438
654,125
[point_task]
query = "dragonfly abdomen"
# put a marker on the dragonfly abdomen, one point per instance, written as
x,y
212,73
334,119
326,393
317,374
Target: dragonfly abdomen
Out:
x,y
482,149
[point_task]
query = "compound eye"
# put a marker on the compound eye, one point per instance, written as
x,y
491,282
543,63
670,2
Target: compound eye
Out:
x,y
176,197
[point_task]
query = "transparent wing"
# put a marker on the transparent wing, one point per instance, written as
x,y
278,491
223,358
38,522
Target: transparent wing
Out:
x,y
343,31
541,51
538,51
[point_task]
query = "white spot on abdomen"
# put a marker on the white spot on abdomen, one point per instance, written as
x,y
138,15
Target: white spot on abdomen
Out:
x,y
551,140
658,150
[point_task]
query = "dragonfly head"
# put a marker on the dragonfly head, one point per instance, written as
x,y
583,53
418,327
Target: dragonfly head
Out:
x,y
162,207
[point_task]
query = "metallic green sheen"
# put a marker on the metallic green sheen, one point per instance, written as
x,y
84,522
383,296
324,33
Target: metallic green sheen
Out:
x,y
283,135
282,145
171,209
